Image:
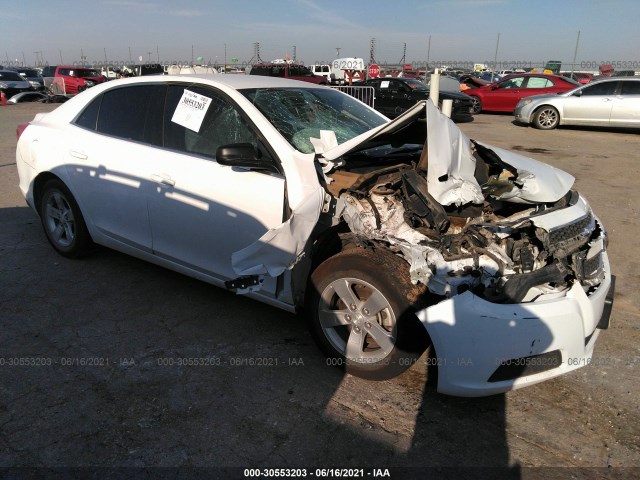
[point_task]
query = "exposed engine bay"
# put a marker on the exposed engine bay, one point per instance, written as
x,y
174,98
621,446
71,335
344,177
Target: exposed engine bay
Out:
x,y
501,247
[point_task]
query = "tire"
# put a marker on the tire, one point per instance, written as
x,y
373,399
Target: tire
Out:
x,y
546,118
62,221
476,104
360,309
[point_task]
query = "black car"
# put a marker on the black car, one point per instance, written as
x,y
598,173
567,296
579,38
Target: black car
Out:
x,y
32,76
395,95
12,83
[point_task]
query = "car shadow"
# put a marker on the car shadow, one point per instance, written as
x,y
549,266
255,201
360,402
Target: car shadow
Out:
x,y
584,128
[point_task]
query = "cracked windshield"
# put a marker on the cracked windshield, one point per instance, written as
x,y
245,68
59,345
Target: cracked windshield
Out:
x,y
300,113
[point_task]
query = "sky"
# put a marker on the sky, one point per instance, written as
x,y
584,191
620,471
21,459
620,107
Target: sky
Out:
x,y
460,30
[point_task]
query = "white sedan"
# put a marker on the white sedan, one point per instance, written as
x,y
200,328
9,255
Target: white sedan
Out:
x,y
611,102
392,237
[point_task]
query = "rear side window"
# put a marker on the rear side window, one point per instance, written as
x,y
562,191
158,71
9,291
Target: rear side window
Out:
x,y
133,113
89,117
630,88
539,82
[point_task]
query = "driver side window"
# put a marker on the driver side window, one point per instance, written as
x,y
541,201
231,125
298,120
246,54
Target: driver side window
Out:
x,y
222,125
604,88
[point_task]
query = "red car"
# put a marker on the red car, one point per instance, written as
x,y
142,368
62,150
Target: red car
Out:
x,y
503,96
72,80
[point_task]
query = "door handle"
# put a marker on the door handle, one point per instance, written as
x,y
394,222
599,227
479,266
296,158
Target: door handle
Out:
x,y
163,180
606,99
79,155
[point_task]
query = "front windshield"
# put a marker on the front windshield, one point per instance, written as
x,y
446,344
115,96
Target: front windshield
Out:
x,y
87,73
415,84
300,113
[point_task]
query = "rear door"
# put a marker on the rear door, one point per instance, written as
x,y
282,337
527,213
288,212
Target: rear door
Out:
x,y
111,157
625,111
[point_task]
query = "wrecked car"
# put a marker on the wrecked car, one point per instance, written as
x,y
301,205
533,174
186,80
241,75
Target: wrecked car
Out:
x,y
391,237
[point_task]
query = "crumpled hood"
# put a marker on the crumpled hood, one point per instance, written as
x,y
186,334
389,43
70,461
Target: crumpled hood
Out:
x,y
452,164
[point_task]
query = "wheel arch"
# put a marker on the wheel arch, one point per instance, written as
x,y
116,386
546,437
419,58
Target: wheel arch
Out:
x,y
543,105
38,186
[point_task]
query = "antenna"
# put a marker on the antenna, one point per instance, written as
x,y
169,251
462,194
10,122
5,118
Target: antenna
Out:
x,y
372,51
404,54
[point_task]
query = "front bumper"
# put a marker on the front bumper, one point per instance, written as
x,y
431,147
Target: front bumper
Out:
x,y
522,113
484,348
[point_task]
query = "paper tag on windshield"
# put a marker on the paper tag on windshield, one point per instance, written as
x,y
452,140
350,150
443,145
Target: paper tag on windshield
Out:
x,y
191,110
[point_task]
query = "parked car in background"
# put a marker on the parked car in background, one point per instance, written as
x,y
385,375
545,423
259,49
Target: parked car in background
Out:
x,y
472,81
580,77
69,80
32,76
288,70
304,198
323,70
11,83
503,96
393,96
611,102
49,71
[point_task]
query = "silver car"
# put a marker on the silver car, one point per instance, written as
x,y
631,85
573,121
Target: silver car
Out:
x,y
613,102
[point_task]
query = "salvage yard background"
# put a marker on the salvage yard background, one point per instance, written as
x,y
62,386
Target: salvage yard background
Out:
x,y
115,329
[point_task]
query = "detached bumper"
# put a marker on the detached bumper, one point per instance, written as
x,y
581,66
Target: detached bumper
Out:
x,y
485,348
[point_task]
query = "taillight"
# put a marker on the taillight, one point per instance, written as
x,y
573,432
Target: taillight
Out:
x,y
21,128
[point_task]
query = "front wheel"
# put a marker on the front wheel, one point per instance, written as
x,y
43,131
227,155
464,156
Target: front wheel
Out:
x,y
476,104
361,313
62,221
546,118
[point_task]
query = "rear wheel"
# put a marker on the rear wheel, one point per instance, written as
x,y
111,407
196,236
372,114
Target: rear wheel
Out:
x,y
546,118
62,221
476,104
361,313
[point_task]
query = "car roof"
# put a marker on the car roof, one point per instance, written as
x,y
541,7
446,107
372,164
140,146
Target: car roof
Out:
x,y
236,82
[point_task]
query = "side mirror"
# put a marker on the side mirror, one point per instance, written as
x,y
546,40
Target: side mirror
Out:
x,y
494,86
578,93
242,155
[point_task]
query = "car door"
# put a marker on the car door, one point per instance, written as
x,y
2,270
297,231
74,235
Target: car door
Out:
x,y
625,110
200,211
505,95
111,157
591,105
384,96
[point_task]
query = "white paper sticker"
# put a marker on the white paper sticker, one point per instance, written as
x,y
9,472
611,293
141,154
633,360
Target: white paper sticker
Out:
x,y
384,84
191,110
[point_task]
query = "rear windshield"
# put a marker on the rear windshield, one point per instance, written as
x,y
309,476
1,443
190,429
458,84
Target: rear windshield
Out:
x,y
11,76
81,72
29,72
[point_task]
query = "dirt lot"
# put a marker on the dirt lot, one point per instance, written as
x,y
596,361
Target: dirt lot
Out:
x,y
114,330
